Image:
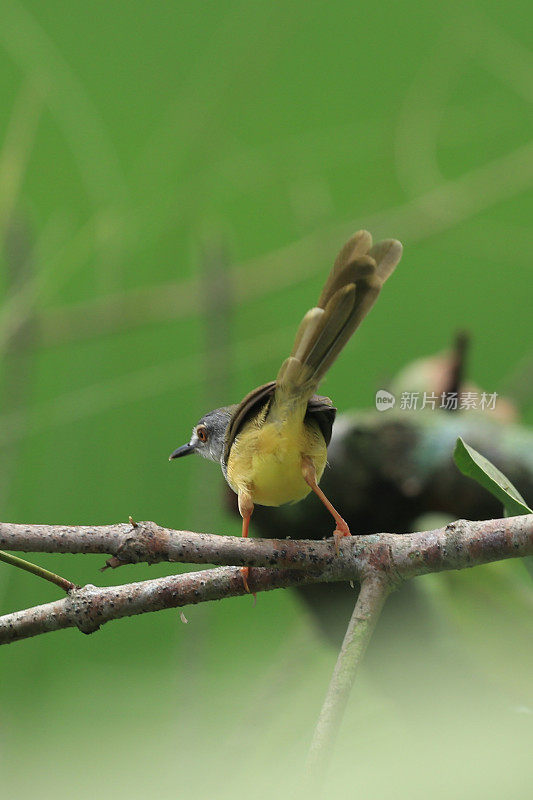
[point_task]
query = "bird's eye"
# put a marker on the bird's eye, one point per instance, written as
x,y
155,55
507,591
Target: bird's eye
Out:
x,y
201,432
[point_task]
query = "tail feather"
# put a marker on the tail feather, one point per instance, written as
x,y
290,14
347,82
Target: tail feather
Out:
x,y
349,293
336,318
356,247
386,254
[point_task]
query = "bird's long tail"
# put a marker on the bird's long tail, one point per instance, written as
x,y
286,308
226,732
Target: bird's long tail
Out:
x,y
349,293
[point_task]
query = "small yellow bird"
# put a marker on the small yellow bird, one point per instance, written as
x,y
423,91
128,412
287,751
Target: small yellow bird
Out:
x,y
272,446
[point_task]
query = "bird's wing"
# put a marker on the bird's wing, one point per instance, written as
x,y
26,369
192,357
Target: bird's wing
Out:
x,y
319,407
248,405
324,412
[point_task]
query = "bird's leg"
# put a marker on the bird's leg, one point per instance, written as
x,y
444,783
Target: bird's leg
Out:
x,y
309,474
246,508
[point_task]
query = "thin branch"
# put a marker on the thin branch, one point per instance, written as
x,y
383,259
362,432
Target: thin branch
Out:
x,y
460,544
392,557
372,595
130,543
91,607
40,572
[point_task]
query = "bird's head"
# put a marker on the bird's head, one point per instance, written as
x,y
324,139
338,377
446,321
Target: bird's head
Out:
x,y
208,434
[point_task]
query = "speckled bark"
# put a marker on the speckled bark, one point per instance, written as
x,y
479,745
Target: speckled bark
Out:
x,y
151,543
278,563
91,607
460,544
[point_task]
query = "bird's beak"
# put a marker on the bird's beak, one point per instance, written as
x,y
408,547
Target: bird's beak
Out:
x,y
184,450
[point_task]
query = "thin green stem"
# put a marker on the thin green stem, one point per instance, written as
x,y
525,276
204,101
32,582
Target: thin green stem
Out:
x,y
15,561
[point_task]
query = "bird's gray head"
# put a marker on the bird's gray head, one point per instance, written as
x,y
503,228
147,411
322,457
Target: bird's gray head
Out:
x,y
207,438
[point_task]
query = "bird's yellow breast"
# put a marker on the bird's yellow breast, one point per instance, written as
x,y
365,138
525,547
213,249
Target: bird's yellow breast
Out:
x,y
266,459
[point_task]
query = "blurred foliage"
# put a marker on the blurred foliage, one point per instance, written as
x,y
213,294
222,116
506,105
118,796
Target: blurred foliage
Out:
x,y
132,137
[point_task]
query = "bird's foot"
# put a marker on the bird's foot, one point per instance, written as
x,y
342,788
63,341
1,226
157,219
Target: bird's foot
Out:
x,y
245,572
339,533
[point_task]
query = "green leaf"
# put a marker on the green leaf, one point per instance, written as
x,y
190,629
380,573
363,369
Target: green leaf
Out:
x,y
474,465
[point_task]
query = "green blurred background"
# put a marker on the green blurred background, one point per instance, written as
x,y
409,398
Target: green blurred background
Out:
x,y
156,157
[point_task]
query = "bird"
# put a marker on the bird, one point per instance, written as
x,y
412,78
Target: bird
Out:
x,y
272,446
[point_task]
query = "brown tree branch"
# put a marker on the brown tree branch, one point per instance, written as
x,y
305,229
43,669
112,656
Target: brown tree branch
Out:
x,y
377,562
280,563
460,544
91,607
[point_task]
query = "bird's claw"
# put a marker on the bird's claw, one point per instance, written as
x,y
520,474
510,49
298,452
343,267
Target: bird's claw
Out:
x,y
339,533
245,571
